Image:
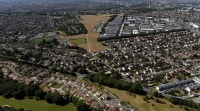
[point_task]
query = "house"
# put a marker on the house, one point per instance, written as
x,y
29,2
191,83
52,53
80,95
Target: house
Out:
x,y
93,89
88,100
72,90
46,89
103,106
98,93
112,108
83,96
94,103
77,93
121,109
104,96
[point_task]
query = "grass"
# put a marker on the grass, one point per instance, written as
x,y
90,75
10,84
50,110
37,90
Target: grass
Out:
x,y
42,85
34,105
78,41
58,85
39,40
138,102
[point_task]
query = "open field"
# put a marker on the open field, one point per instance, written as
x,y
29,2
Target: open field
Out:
x,y
142,105
39,40
58,85
34,105
90,21
78,41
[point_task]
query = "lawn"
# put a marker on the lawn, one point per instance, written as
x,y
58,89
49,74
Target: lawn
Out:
x,y
39,40
34,105
78,41
142,105
58,85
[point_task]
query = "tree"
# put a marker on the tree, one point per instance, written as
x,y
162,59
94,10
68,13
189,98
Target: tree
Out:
x,y
17,95
81,106
57,98
48,98
40,94
82,71
157,94
75,100
136,88
21,109
99,109
1,74
30,89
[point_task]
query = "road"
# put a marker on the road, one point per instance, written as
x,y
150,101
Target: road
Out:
x,y
49,18
122,27
97,99
153,26
13,70
88,43
103,62
161,72
117,98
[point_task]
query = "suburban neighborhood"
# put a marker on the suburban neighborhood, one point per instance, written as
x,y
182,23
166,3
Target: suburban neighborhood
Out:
x,y
132,56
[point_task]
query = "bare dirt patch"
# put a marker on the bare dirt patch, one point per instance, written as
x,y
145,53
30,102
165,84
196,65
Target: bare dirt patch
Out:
x,y
90,21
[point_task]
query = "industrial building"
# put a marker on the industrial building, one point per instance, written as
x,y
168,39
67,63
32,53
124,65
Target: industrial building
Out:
x,y
174,84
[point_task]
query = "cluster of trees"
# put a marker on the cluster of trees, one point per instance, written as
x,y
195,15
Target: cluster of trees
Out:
x,y
6,108
81,29
145,10
157,94
56,98
116,83
179,101
29,55
50,43
80,104
197,47
11,88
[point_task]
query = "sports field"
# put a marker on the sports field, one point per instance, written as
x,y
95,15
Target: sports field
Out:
x,y
142,105
35,105
78,41
39,40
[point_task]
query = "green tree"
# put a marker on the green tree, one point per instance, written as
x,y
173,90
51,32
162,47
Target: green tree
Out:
x,y
48,98
40,94
81,106
57,98
136,88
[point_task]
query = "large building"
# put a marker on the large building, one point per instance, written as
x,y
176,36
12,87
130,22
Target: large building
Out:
x,y
195,25
174,84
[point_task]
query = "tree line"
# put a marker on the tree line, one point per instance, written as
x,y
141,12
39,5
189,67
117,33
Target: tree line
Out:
x,y
10,88
179,101
115,82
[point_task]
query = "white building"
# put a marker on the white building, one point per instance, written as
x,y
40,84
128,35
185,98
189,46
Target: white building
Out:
x,y
195,25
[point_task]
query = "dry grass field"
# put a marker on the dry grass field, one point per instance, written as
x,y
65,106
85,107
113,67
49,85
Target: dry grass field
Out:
x,y
142,105
90,21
